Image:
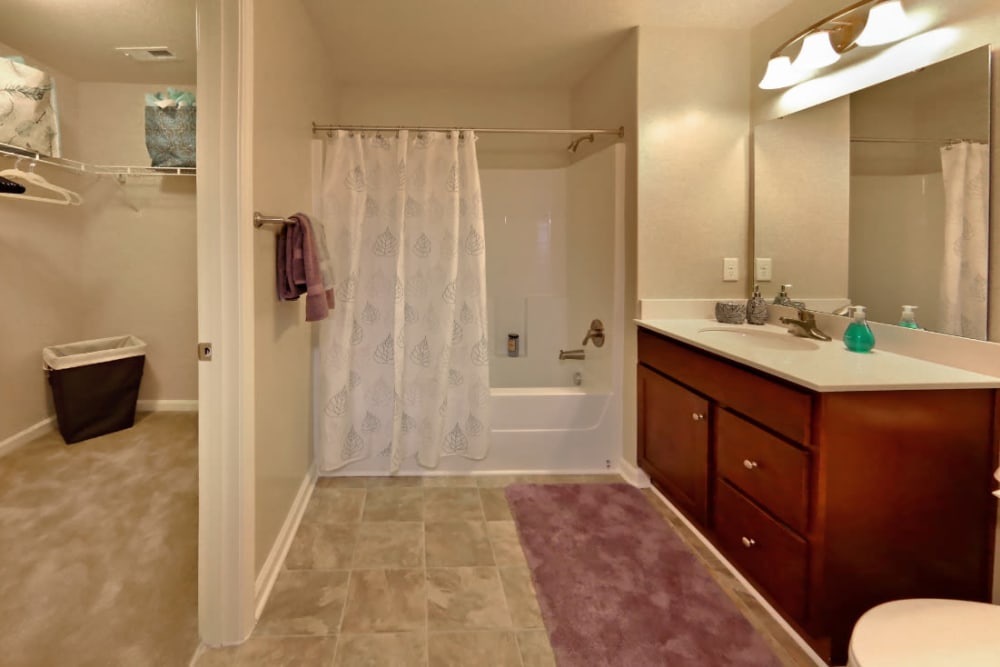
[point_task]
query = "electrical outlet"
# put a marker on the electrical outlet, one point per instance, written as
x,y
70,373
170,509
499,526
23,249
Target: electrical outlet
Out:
x,y
762,269
730,269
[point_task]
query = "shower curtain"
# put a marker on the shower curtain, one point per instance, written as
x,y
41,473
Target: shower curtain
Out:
x,y
965,169
404,359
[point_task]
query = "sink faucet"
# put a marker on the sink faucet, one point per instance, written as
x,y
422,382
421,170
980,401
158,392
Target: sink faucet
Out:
x,y
804,326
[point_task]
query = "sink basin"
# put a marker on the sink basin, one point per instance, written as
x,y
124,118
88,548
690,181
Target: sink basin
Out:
x,y
762,338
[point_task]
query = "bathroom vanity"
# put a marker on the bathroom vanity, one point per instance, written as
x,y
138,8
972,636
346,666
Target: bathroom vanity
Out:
x,y
833,481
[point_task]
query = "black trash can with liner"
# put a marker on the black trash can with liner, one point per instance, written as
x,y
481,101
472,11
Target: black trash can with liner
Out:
x,y
95,385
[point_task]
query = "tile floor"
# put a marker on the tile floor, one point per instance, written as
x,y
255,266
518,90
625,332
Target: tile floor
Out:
x,y
422,571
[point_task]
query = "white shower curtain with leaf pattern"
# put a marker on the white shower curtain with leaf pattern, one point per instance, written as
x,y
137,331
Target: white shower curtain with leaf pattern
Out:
x,y
965,169
404,358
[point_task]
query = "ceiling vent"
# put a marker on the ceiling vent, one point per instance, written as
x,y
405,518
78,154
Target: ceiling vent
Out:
x,y
145,54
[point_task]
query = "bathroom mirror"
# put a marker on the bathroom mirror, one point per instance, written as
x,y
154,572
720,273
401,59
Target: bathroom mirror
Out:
x,y
881,198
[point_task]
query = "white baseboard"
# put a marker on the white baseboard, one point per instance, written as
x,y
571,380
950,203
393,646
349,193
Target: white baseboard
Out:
x,y
633,474
161,405
739,577
272,566
27,435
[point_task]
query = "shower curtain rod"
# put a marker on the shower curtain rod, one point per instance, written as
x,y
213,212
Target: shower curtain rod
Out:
x,y
877,140
620,132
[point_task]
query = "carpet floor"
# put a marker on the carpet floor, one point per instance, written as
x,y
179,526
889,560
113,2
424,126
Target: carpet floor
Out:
x,y
99,559
617,586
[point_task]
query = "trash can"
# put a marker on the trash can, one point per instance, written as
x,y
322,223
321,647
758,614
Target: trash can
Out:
x,y
95,384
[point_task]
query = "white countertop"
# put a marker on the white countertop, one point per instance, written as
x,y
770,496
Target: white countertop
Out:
x,y
814,364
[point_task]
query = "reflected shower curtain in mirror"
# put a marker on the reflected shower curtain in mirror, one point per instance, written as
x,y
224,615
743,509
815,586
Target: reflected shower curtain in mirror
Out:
x,y
404,365
965,169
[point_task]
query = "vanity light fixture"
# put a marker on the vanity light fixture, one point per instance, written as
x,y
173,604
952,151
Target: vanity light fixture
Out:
x,y
779,74
886,23
865,23
817,51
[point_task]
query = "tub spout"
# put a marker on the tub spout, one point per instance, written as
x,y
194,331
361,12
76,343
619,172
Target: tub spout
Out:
x,y
572,354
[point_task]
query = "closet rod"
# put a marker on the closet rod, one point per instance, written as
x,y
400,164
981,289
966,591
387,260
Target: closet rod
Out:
x,y
619,132
97,169
259,220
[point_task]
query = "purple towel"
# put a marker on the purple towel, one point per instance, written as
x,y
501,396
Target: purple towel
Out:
x,y
287,290
319,299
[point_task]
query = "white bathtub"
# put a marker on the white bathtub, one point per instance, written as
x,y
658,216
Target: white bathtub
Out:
x,y
534,429
557,429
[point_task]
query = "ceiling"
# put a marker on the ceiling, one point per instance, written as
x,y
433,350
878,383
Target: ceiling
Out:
x,y
523,43
498,43
78,37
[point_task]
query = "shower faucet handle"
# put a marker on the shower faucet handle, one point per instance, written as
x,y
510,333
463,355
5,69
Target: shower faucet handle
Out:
x,y
596,334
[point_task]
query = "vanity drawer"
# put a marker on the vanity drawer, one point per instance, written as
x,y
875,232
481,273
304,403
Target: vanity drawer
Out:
x,y
768,552
766,468
778,406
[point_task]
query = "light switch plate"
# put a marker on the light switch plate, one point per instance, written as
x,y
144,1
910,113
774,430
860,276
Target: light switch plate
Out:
x,y
762,269
730,269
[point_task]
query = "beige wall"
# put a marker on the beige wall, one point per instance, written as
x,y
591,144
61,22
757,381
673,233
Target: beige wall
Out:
x,y
693,152
138,248
607,98
72,273
290,91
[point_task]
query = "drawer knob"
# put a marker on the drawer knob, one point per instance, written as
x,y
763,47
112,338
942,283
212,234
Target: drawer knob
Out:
x,y
748,464
697,416
748,542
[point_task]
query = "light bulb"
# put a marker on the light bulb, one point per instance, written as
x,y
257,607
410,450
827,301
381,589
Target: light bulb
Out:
x,y
886,23
779,74
817,51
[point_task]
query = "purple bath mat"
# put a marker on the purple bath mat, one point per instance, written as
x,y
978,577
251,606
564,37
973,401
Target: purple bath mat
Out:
x,y
617,586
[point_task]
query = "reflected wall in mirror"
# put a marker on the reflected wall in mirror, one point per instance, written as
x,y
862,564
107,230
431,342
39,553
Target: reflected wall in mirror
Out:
x,y
881,197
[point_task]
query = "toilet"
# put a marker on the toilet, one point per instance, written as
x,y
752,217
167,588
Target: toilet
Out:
x,y
927,633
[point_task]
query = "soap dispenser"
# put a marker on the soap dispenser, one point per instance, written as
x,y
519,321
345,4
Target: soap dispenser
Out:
x,y
907,319
756,307
782,298
858,336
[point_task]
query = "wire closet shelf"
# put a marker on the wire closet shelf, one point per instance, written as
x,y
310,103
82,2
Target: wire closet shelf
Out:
x,y
96,169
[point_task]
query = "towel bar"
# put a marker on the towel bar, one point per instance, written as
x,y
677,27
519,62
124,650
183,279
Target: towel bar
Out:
x,y
259,220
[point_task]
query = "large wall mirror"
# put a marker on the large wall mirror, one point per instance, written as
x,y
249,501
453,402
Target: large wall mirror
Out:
x,y
881,198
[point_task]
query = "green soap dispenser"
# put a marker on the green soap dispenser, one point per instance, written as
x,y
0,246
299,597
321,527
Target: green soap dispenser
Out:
x,y
907,319
858,336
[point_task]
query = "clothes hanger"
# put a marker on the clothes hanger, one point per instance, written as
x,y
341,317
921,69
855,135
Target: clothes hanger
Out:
x,y
64,197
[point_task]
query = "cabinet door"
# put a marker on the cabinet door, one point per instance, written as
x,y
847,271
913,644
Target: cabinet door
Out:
x,y
673,441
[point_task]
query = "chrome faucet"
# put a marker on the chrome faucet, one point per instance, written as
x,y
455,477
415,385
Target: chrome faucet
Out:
x,y
595,333
804,326
572,354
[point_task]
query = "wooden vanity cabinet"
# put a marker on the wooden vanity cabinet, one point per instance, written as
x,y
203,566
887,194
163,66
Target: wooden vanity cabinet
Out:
x,y
674,423
830,503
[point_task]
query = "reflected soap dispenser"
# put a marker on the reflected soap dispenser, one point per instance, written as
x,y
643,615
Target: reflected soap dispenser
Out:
x,y
781,299
756,307
907,319
858,336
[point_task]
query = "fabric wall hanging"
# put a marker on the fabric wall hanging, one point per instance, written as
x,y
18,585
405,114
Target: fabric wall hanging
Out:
x,y
28,117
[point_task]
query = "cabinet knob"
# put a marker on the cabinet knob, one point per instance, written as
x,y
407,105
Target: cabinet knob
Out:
x,y
748,542
748,464
697,416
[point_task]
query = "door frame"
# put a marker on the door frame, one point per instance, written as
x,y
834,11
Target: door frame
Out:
x,y
225,319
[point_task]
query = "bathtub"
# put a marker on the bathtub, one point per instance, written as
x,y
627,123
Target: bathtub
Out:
x,y
552,429
534,430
